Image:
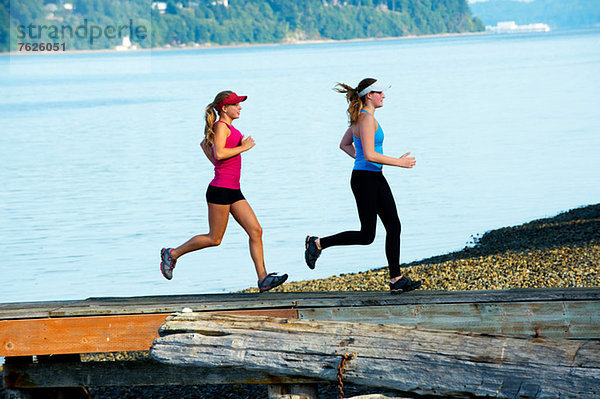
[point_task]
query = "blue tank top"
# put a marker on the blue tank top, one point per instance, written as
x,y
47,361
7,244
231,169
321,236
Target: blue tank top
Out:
x,y
360,163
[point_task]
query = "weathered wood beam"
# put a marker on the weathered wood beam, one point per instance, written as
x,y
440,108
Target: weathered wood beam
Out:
x,y
131,373
568,319
273,300
421,362
95,334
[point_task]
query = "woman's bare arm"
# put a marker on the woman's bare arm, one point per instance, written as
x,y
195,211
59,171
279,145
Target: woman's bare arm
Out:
x,y
367,126
221,134
207,148
347,144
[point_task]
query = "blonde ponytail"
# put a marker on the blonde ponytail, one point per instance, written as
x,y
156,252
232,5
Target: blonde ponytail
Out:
x,y
210,115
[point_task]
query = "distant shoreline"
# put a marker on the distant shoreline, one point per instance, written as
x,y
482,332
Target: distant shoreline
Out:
x,y
208,46
288,42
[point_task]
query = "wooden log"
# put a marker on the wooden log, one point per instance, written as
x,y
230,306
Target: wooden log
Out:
x,y
16,392
408,360
556,319
74,335
52,393
129,373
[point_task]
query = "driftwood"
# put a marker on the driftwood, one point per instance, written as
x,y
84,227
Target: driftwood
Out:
x,y
405,359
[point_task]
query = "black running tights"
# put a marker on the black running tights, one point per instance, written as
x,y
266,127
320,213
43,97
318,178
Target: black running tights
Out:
x,y
373,198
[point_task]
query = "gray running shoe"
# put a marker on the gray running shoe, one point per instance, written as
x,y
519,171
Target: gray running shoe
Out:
x,y
271,281
404,285
167,263
312,253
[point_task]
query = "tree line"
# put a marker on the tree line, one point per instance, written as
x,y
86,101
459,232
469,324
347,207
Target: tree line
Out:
x,y
221,22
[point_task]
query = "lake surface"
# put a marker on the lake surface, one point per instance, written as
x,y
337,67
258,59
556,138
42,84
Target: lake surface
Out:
x,y
101,165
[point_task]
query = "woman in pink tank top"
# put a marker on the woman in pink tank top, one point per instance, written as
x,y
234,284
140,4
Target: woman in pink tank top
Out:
x,y
223,145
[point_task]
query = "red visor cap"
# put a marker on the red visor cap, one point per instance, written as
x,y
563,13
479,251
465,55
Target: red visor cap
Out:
x,y
232,99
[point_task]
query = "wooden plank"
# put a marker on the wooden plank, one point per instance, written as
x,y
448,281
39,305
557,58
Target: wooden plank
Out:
x,y
29,310
576,319
352,298
78,334
300,300
468,310
94,334
409,360
130,373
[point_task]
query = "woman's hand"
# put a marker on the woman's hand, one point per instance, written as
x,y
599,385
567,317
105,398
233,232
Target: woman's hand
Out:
x,y
247,143
406,162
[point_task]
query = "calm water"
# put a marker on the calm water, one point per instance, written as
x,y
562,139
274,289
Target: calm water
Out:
x,y
101,165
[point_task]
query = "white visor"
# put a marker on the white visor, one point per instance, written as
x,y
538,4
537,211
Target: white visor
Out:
x,y
375,86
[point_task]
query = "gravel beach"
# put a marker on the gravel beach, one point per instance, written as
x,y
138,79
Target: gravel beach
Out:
x,y
561,251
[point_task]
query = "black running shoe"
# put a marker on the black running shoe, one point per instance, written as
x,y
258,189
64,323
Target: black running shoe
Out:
x,y
167,263
312,253
404,285
271,281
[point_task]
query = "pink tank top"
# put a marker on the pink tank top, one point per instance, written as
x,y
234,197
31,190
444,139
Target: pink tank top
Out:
x,y
227,171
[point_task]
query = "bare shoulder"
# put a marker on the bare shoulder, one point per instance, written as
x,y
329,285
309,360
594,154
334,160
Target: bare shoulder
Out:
x,y
221,128
366,121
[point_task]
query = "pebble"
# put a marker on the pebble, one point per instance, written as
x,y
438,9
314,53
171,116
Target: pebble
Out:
x,y
561,251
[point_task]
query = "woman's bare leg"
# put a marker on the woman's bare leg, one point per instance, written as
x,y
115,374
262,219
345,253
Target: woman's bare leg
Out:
x,y
218,215
244,215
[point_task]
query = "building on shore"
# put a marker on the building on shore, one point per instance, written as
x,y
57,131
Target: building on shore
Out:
x,y
512,27
126,45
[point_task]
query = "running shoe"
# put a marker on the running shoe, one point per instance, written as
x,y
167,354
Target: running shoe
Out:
x,y
167,263
312,253
404,285
271,281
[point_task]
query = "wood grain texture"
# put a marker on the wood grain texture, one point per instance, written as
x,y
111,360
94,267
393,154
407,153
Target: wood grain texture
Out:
x,y
279,300
129,373
78,334
92,334
558,319
410,360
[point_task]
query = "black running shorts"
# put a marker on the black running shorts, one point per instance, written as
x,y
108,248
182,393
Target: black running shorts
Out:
x,y
223,196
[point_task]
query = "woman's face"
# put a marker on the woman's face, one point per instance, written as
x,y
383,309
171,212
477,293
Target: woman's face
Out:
x,y
232,111
377,98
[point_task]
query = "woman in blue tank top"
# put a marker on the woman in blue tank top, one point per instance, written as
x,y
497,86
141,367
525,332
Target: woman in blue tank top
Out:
x,y
363,141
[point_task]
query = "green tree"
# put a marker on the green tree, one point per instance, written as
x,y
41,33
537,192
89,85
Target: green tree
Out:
x,y
253,21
